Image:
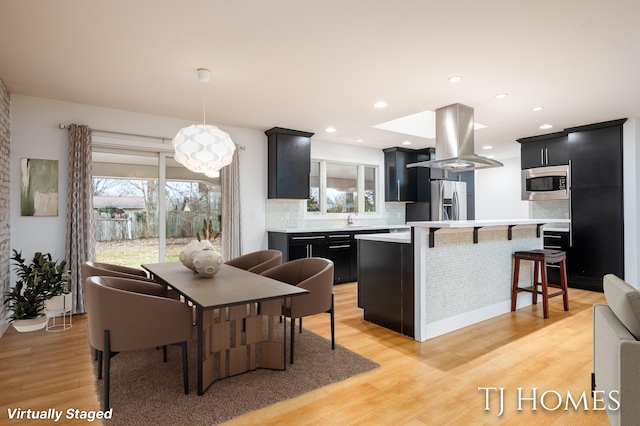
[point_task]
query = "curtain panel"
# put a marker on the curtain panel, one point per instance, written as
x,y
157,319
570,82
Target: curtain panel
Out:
x,y
79,238
231,233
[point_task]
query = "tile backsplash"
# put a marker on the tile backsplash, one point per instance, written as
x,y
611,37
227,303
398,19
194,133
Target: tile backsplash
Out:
x,y
290,214
554,209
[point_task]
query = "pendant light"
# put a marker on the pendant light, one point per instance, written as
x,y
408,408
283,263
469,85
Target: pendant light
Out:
x,y
203,148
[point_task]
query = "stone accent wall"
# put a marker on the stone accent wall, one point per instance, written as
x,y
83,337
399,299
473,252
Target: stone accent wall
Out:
x,y
5,172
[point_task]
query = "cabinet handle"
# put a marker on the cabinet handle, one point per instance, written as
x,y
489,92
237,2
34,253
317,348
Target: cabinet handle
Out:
x,y
339,247
553,247
310,250
546,154
542,156
398,190
308,238
552,236
570,207
550,265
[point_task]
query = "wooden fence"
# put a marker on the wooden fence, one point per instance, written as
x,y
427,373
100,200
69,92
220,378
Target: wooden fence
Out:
x,y
178,223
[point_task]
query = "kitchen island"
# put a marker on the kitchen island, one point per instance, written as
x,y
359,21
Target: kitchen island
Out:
x,y
462,270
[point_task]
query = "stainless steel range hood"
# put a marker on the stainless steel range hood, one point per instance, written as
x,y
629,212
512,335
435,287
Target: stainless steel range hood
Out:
x,y
454,142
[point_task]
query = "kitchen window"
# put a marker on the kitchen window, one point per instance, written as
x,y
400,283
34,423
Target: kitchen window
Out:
x,y
342,188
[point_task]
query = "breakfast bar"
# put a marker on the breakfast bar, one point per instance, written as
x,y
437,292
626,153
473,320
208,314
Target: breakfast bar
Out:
x,y
462,270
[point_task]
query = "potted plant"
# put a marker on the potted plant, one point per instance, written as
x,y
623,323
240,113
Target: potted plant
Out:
x,y
37,282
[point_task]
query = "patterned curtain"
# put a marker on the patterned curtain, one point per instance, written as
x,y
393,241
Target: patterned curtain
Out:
x,y
231,235
80,240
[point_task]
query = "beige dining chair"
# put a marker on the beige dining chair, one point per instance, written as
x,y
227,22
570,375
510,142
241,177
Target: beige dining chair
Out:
x,y
99,269
311,273
128,315
257,261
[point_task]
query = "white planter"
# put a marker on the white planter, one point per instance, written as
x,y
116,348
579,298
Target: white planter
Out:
x,y
31,324
59,307
59,303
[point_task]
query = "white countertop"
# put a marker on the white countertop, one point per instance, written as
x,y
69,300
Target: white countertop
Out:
x,y
391,237
451,224
345,228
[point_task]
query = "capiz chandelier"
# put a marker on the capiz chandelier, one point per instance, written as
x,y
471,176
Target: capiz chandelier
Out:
x,y
203,148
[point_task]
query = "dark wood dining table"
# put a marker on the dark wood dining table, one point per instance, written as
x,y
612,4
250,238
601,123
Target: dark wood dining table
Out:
x,y
231,335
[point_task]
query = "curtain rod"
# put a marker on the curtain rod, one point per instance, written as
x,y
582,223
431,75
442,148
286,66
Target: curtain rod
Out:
x,y
162,138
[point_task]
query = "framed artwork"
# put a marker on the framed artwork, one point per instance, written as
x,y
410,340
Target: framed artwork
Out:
x,y
38,187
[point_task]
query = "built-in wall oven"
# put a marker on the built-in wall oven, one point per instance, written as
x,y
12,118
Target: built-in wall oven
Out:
x,y
546,183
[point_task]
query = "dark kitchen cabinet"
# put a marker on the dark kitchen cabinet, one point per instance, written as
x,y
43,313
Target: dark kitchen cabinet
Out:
x,y
596,155
289,162
557,240
340,247
312,245
597,238
544,150
596,203
386,284
400,182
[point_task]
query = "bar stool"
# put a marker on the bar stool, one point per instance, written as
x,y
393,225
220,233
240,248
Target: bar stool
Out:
x,y
540,259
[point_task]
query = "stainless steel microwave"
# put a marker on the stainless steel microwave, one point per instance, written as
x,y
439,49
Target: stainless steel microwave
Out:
x,y
546,183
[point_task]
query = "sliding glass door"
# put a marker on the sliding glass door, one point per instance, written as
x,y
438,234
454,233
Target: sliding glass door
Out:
x,y
147,206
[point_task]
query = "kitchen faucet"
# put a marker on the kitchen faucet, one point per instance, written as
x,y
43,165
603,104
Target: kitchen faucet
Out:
x,y
349,220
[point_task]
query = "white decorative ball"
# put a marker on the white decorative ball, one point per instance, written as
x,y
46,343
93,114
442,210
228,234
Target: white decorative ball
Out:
x,y
191,250
207,262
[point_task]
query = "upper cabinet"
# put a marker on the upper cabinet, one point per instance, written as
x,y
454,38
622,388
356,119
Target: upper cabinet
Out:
x,y
402,183
596,154
289,162
544,150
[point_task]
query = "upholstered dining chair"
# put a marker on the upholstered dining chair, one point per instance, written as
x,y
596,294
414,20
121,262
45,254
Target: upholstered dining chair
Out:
x,y
257,261
314,274
98,269
127,315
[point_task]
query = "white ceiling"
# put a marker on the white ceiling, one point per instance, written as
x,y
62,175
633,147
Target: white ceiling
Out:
x,y
311,64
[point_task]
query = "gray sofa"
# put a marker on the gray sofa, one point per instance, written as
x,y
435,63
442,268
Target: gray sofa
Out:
x,y
616,352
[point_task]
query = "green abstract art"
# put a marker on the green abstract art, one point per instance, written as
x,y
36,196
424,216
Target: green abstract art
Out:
x,y
38,187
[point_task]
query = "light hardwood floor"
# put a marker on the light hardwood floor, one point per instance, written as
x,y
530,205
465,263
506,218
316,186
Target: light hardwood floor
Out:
x,y
430,383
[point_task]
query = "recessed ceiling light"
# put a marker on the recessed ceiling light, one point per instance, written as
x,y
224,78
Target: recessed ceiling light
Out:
x,y
487,147
502,95
380,104
536,109
455,79
358,140
406,143
546,126
330,130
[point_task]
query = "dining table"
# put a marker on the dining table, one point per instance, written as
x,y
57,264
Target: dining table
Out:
x,y
235,317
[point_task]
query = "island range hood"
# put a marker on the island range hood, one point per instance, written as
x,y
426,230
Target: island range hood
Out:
x,y
454,142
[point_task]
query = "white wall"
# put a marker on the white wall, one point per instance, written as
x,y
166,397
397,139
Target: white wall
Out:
x,y
35,134
350,153
498,192
631,160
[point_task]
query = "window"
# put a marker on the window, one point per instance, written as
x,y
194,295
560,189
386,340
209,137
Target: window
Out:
x,y
335,187
133,192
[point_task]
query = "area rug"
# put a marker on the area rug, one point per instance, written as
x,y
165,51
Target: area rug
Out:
x,y
146,391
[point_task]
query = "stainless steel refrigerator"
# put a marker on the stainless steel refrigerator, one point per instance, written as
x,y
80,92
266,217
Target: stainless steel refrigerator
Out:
x,y
448,200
